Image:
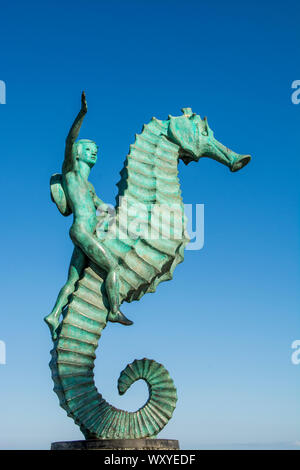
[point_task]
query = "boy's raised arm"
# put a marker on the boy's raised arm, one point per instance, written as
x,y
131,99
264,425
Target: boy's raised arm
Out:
x,y
74,131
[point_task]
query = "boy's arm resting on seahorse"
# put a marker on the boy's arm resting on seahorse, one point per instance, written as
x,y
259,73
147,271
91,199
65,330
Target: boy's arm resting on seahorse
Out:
x,y
100,205
73,134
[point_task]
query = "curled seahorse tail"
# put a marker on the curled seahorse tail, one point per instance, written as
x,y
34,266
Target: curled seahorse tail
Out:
x,y
72,364
155,414
149,420
108,422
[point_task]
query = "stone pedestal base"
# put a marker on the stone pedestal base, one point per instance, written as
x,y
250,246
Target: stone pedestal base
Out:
x,y
117,444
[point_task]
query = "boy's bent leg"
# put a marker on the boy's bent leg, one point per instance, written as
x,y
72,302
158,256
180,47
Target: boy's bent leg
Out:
x,y
97,253
77,264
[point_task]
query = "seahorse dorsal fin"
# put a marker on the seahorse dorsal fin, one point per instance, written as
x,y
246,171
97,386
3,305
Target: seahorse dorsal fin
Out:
x,y
187,111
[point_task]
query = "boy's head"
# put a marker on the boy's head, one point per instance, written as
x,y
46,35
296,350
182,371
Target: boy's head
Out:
x,y
85,150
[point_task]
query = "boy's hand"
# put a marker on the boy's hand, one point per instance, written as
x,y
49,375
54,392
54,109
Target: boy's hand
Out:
x,y
83,103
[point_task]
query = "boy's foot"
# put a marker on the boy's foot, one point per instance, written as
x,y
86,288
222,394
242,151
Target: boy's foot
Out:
x,y
119,317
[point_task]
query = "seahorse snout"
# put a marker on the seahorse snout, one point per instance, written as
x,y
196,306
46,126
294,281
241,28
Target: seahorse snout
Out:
x,y
240,162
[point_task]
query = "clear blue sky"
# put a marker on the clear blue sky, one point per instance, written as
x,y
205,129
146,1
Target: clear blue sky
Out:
x,y
224,326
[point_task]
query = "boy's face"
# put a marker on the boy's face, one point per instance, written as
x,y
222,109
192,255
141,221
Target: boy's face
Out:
x,y
87,152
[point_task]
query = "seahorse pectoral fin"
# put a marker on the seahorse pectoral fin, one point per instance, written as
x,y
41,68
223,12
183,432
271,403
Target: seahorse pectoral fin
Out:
x,y
58,195
53,322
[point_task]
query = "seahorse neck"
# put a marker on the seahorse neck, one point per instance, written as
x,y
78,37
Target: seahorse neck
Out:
x,y
150,168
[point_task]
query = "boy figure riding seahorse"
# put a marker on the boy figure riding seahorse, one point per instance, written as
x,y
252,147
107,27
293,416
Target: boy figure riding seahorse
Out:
x,y
73,193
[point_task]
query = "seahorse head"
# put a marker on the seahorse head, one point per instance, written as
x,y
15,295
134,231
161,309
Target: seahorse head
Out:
x,y
196,140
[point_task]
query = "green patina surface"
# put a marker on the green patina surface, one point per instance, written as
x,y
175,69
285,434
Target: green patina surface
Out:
x,y
110,265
